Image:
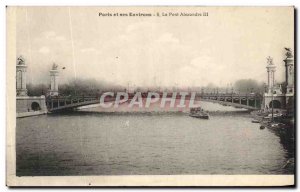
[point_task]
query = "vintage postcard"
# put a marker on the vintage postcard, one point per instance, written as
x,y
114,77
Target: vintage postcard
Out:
x,y
150,96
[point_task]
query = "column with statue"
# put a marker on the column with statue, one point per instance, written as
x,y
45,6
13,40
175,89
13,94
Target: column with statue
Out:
x,y
21,77
289,71
289,81
271,69
54,80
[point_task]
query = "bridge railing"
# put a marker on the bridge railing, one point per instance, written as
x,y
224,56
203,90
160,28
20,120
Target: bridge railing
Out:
x,y
249,100
71,101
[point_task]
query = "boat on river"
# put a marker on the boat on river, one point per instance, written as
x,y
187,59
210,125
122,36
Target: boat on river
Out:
x,y
198,113
255,121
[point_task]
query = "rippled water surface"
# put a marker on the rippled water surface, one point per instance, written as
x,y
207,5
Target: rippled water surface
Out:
x,y
104,144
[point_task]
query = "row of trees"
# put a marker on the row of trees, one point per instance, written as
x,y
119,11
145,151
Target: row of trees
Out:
x,y
249,85
240,86
75,87
93,87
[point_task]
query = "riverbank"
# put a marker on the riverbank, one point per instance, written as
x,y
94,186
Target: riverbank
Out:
x,y
30,113
282,126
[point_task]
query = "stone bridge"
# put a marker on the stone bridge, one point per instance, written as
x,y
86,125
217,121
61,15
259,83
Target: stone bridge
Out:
x,y
249,101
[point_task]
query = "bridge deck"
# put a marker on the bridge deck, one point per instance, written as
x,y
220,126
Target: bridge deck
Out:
x,y
55,104
237,105
247,101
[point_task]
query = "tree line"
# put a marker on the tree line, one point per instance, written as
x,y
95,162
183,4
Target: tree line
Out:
x,y
94,87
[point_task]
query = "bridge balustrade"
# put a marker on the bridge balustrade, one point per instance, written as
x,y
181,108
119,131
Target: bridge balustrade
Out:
x,y
246,100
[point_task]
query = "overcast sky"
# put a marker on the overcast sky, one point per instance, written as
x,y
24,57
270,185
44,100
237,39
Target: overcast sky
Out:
x,y
229,44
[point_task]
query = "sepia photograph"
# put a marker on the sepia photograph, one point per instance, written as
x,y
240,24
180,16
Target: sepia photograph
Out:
x,y
150,96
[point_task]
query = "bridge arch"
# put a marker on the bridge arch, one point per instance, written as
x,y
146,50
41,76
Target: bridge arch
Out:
x,y
276,104
35,106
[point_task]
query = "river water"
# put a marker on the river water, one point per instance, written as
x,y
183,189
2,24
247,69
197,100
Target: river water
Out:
x,y
83,143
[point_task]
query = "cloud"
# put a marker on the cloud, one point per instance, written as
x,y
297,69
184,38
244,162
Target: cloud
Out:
x,y
89,50
167,38
44,50
146,54
51,35
202,70
135,27
60,38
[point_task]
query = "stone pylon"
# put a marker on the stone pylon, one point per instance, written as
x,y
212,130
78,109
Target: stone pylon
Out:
x,y
54,80
21,77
